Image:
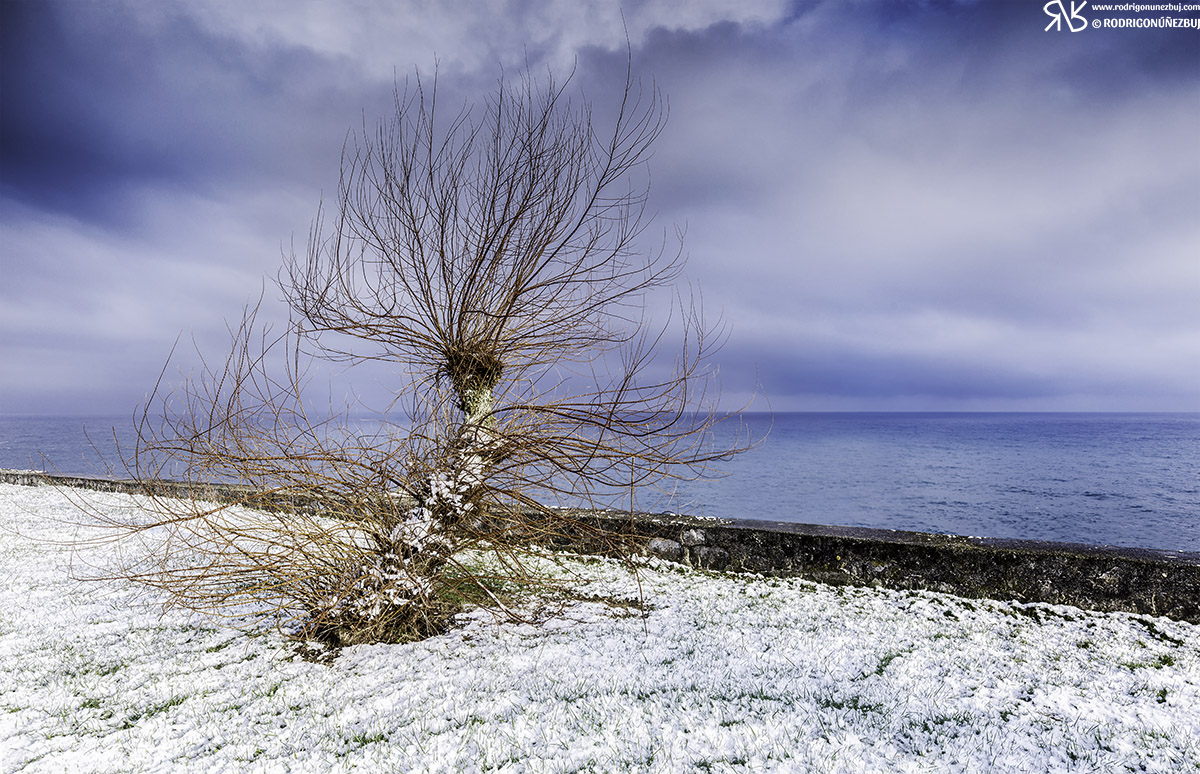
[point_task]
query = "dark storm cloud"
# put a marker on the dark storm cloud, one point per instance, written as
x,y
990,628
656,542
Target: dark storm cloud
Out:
x,y
150,169
819,369
97,103
982,36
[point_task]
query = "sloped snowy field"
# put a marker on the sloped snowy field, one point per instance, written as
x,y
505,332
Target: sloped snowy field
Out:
x,y
725,673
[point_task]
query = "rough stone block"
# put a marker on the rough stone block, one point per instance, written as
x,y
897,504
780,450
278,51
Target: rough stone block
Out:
x,y
665,549
712,558
692,537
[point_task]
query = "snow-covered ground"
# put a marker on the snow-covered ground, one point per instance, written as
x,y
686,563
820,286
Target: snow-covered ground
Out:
x,y
723,673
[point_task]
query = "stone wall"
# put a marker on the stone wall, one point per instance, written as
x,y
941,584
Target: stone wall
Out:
x,y
213,492
1091,577
1102,578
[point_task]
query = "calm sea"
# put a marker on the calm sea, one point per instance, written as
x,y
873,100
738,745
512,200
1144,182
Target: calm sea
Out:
x,y
1117,479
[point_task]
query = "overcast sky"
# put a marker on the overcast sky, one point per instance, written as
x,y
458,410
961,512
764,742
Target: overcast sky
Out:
x,y
896,205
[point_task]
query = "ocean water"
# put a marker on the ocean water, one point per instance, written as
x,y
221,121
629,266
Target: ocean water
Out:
x,y
1109,479
86,446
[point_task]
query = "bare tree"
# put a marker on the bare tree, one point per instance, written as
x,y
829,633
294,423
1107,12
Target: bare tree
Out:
x,y
495,261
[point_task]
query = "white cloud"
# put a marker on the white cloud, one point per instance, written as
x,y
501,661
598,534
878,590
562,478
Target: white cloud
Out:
x,y
95,313
384,36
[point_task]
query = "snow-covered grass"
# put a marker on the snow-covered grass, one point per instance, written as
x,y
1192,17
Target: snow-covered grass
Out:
x,y
721,673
